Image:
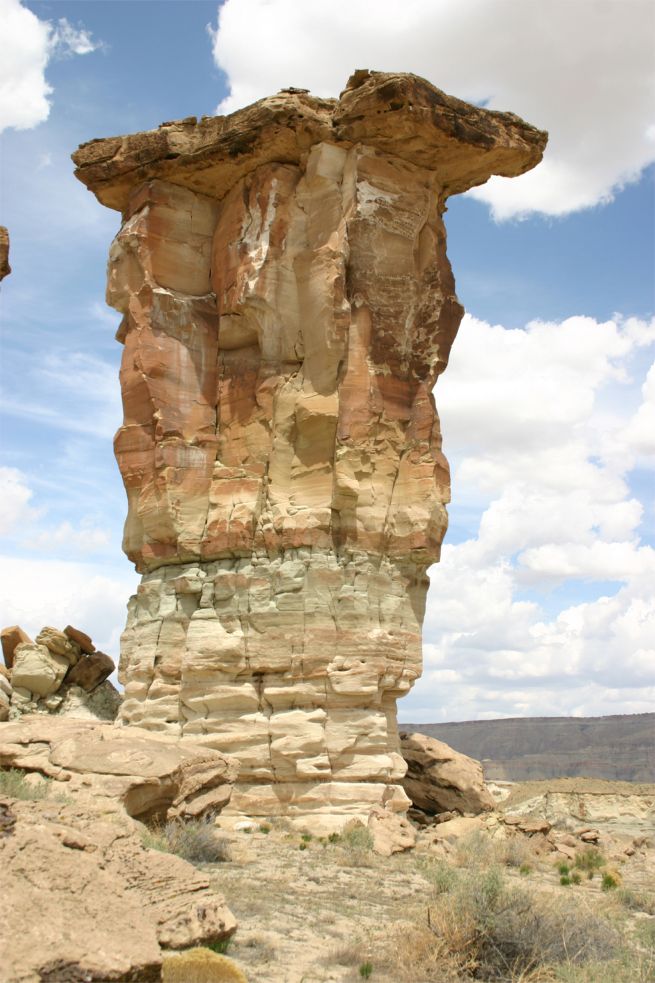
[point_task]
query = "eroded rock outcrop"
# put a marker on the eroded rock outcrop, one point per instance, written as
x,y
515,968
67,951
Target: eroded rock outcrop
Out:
x,y
125,769
61,672
288,305
82,899
5,268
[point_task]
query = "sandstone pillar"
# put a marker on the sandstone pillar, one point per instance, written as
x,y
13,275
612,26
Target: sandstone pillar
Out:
x,y
288,305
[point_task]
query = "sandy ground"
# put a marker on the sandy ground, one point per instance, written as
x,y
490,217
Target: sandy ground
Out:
x,y
307,916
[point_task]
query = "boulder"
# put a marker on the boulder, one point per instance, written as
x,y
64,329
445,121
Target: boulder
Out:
x,y
440,779
126,769
37,669
391,832
59,644
9,638
83,900
81,638
91,670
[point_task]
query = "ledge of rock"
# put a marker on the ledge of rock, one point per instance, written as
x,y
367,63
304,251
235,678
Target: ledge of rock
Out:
x,y
148,775
398,114
83,900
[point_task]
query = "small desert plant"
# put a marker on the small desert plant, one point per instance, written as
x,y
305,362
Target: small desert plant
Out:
x,y
525,869
366,970
441,875
356,846
264,828
565,880
334,838
590,859
195,840
636,900
563,869
609,882
306,837
221,946
516,852
476,850
14,785
302,846
576,877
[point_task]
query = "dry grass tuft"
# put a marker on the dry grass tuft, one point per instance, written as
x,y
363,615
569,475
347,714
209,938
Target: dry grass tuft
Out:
x,y
195,840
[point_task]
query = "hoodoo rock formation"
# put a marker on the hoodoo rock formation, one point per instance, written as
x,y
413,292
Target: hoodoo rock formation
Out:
x,y
288,305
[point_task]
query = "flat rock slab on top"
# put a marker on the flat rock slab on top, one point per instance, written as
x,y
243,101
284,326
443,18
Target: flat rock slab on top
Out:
x,y
398,114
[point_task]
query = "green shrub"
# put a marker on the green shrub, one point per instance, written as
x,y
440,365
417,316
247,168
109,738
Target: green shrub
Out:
x,y
609,882
334,838
525,869
302,846
440,874
264,828
13,785
565,880
590,859
563,869
194,840
306,837
366,970
221,946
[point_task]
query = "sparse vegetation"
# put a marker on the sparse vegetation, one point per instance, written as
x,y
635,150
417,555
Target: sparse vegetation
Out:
x,y
590,859
14,784
483,928
195,840
609,882
356,845
366,970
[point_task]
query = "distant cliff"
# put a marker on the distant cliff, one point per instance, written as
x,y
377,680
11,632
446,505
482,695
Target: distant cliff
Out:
x,y
520,749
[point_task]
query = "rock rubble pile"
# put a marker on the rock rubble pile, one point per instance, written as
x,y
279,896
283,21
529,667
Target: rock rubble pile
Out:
x,y
61,672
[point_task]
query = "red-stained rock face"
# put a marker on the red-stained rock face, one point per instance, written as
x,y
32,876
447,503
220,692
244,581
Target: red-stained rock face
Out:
x,y
288,305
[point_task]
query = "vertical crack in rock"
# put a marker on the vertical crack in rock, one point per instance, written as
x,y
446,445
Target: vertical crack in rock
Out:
x,y
287,307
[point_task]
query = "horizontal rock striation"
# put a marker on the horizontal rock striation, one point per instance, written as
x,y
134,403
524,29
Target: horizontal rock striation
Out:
x,y
287,308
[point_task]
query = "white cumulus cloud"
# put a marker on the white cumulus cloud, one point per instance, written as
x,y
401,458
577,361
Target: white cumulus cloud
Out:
x,y
28,45
542,449
581,70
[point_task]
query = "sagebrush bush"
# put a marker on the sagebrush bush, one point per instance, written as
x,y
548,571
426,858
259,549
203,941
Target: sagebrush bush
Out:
x,y
484,929
13,784
194,840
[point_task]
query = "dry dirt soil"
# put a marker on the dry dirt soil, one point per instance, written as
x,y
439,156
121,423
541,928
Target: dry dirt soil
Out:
x,y
310,911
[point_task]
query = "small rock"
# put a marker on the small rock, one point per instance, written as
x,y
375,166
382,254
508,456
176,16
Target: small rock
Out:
x,y
590,836
391,832
81,638
59,644
10,638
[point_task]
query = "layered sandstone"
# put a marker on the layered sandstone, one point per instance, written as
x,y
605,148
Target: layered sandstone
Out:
x,y
288,305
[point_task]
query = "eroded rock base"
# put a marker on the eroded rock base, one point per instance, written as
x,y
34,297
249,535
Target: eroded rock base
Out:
x,y
292,663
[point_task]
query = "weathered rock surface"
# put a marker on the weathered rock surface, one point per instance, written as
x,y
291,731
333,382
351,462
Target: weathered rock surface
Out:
x,y
10,637
147,775
5,268
61,673
83,900
439,779
288,306
391,833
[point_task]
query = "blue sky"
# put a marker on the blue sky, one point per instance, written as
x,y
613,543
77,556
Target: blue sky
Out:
x,y
543,603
